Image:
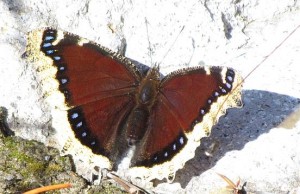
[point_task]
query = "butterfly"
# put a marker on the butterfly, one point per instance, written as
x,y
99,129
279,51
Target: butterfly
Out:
x,y
117,111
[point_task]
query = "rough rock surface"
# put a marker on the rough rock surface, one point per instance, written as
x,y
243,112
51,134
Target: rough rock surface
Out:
x,y
258,143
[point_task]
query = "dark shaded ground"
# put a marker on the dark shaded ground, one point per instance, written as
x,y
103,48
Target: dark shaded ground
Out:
x,y
261,112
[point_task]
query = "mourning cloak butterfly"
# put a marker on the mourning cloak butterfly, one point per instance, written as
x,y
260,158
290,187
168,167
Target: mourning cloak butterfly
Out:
x,y
114,109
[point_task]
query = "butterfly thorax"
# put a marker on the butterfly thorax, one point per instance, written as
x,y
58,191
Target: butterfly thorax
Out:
x,y
145,98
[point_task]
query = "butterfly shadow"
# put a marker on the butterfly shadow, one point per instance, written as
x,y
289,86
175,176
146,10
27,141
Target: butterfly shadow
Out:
x,y
261,112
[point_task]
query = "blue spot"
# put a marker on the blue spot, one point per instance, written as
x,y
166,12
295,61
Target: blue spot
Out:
x,y
229,78
56,58
47,38
174,147
79,125
181,140
47,44
63,81
48,52
228,85
74,115
61,68
202,112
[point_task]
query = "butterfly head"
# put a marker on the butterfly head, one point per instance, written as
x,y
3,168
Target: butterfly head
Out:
x,y
153,73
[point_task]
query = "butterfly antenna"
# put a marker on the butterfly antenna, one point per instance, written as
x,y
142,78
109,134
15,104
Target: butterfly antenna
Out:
x,y
149,44
172,45
262,61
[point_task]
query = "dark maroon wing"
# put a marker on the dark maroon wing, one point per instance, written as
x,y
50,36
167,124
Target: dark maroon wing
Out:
x,y
185,97
164,133
97,84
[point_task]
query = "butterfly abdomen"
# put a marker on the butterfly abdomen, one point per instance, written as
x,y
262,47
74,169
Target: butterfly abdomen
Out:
x,y
136,125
